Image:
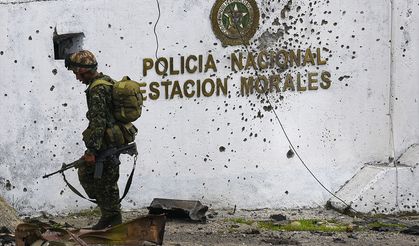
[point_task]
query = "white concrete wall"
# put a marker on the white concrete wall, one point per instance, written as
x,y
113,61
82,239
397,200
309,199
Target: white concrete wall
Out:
x,y
336,131
405,75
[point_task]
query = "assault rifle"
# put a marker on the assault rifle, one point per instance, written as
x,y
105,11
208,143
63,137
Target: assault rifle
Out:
x,y
112,153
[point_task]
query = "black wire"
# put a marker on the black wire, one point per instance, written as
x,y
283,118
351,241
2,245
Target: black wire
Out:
x,y
157,38
155,26
285,133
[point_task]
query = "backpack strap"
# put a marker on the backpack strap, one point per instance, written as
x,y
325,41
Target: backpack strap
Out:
x,y
107,83
99,82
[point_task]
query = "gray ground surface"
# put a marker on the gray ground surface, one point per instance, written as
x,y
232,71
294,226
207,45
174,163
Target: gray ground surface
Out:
x,y
226,228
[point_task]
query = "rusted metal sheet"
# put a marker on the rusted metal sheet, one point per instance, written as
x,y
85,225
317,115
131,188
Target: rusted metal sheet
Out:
x,y
148,228
173,208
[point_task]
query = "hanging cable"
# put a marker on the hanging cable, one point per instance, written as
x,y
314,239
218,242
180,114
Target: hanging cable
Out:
x,y
157,38
155,26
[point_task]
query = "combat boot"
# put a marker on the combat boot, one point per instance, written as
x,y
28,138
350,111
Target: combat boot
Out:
x,y
105,222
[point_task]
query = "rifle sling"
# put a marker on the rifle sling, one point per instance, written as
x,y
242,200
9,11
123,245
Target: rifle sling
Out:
x,y
126,189
75,190
129,181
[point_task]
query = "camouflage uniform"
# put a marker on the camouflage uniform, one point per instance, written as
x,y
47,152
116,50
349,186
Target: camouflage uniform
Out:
x,y
105,190
99,102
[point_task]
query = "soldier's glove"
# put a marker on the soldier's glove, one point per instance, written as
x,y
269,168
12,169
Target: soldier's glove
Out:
x,y
89,158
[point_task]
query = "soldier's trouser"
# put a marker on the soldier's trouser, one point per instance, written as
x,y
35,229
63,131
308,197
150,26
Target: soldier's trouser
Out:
x,y
105,190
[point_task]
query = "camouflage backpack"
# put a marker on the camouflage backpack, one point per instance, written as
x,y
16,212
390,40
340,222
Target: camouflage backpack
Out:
x,y
127,98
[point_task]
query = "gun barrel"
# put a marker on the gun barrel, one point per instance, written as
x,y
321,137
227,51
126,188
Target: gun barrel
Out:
x,y
64,167
59,171
48,175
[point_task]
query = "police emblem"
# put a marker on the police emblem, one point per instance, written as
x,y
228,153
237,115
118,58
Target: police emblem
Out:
x,y
235,22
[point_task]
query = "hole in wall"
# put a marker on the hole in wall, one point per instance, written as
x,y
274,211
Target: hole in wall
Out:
x,y
67,43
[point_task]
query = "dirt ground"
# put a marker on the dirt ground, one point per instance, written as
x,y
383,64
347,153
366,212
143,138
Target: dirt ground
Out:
x,y
244,228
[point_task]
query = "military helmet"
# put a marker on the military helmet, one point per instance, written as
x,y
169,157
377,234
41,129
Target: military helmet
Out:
x,y
81,59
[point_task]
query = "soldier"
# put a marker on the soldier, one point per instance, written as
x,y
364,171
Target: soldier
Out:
x,y
99,102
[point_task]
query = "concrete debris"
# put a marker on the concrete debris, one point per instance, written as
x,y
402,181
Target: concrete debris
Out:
x,y
338,240
278,217
179,209
145,229
8,216
413,230
280,241
6,238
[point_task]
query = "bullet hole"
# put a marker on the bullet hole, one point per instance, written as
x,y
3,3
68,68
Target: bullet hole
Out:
x,y
121,38
401,28
15,61
109,25
222,149
205,159
225,166
344,77
37,31
290,154
25,190
30,38
267,108
5,95
286,192
64,104
54,71
1,52
52,88
8,185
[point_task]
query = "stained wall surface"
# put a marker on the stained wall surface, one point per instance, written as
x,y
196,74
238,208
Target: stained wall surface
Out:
x,y
224,150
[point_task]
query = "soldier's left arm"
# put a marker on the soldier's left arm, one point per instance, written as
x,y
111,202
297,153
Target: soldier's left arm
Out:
x,y
97,122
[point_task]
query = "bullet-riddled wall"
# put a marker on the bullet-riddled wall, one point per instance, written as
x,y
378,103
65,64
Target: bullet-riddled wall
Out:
x,y
341,77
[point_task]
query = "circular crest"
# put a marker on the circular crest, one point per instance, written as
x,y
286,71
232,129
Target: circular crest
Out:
x,y
235,22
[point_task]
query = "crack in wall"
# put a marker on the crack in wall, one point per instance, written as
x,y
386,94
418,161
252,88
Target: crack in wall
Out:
x,y
29,1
